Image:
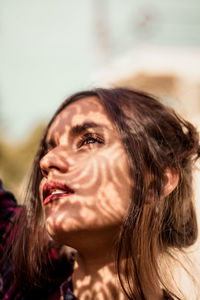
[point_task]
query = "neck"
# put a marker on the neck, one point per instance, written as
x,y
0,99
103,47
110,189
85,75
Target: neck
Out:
x,y
96,278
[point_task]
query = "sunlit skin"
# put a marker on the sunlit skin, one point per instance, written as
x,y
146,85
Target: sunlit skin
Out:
x,y
85,152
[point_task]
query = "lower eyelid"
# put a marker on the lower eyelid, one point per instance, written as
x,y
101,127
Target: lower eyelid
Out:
x,y
84,139
95,141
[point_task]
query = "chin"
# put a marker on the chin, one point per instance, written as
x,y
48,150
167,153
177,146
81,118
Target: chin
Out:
x,y
66,233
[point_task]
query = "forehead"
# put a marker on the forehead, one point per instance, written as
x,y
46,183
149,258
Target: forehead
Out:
x,y
87,109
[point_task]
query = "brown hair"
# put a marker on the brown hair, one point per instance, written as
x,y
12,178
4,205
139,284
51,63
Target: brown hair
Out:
x,y
155,139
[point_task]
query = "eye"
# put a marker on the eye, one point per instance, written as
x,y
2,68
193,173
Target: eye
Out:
x,y
90,138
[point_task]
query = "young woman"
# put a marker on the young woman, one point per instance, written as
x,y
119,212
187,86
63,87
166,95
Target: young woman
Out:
x,y
112,179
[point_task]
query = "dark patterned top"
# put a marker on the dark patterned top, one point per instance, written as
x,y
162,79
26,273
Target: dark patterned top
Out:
x,y
8,289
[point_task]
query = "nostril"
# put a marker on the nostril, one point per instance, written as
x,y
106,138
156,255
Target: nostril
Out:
x,y
44,172
44,166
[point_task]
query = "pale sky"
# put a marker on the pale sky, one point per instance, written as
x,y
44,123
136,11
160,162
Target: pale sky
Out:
x,y
51,48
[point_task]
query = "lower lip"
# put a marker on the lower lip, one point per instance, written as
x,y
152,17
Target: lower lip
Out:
x,y
54,197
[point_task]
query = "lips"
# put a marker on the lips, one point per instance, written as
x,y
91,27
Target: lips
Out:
x,y
54,190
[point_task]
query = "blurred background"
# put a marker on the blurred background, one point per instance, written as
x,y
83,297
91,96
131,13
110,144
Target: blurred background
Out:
x,y
52,48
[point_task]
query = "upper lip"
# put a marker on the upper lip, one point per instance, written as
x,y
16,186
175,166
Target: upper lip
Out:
x,y
51,186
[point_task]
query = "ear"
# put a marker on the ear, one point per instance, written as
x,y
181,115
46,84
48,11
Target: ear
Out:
x,y
171,179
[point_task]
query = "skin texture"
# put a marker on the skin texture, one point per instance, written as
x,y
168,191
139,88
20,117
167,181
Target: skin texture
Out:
x,y
94,167
92,161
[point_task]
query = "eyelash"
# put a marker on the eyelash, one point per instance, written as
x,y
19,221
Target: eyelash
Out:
x,y
86,139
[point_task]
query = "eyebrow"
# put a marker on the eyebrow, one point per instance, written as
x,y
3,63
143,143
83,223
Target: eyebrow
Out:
x,y
78,129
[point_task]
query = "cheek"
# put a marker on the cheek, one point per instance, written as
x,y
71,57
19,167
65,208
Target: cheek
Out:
x,y
86,213
101,199
112,203
94,172
116,186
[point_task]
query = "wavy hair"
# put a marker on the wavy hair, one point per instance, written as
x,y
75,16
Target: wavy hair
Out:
x,y
155,138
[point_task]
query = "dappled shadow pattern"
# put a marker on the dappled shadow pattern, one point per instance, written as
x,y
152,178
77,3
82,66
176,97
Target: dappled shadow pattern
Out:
x,y
85,155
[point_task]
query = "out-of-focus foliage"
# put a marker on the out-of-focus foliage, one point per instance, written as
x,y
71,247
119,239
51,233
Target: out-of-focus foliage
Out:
x,y
16,159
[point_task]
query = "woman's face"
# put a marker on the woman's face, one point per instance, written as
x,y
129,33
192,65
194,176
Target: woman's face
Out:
x,y
86,185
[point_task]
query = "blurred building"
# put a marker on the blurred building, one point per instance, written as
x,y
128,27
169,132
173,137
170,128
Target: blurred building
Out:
x,y
171,73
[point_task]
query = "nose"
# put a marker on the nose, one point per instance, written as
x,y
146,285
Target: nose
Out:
x,y
54,161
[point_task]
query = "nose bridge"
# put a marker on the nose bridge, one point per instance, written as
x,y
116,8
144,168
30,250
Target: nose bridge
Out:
x,y
55,159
